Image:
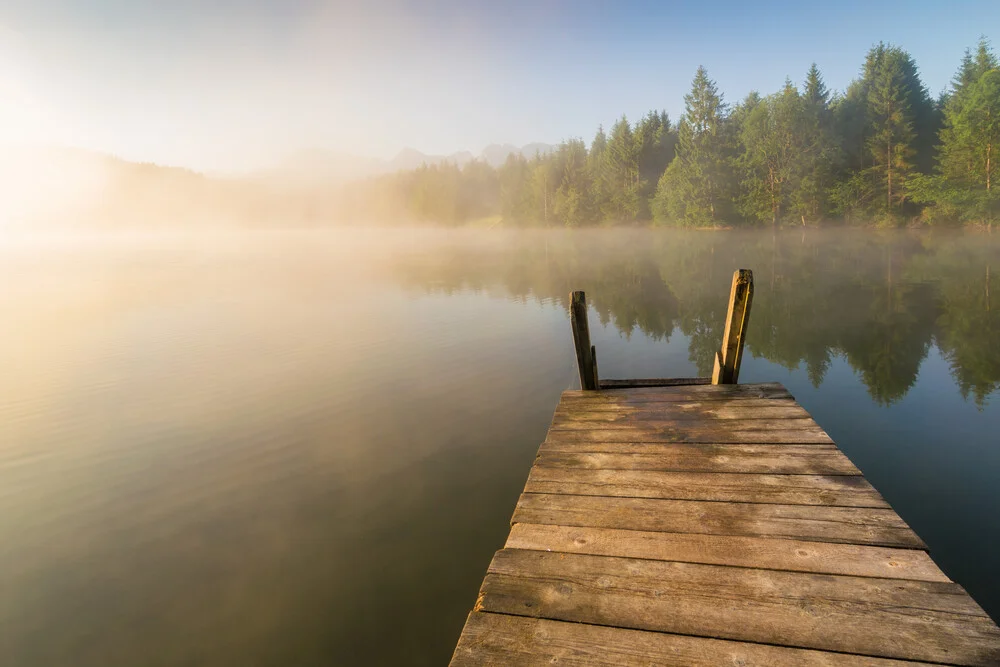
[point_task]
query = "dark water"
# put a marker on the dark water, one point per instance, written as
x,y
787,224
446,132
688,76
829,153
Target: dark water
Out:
x,y
302,449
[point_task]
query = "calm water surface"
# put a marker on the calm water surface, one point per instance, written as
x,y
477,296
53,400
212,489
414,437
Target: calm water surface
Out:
x,y
303,448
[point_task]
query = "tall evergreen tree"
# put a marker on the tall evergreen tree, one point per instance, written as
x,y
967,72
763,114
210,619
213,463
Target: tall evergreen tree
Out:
x,y
818,154
571,205
696,187
600,188
622,165
965,186
890,78
768,140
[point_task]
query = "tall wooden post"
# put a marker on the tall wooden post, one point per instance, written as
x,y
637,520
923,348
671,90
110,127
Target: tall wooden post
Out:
x,y
727,360
586,354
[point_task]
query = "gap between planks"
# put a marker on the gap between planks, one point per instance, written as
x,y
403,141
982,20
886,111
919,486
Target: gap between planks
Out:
x,y
848,525
829,490
888,618
522,641
730,550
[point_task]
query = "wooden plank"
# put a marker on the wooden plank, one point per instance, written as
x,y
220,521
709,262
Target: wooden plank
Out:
x,y
574,444
708,411
565,422
684,393
674,408
581,340
652,382
521,641
763,459
694,433
729,358
830,490
759,552
847,525
891,618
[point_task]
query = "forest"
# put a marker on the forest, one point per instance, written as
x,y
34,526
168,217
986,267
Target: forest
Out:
x,y
882,152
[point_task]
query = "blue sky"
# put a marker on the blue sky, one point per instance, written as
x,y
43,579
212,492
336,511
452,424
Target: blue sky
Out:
x,y
229,85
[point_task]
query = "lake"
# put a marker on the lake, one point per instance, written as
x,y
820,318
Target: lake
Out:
x,y
303,448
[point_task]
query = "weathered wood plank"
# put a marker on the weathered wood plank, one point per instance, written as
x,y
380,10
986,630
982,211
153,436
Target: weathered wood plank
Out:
x,y
730,356
522,641
675,408
692,434
652,382
760,409
712,524
581,340
562,422
759,552
891,618
847,525
683,392
830,490
774,459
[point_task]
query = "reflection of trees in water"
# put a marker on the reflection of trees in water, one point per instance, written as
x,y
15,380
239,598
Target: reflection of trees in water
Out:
x,y
880,300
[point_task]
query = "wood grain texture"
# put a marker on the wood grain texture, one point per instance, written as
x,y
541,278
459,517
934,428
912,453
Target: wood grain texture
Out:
x,y
774,459
676,408
757,552
652,382
734,335
565,422
679,432
682,393
706,525
829,490
696,411
501,640
581,341
890,618
847,525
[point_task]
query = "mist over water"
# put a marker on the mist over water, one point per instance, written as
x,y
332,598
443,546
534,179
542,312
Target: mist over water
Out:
x,y
302,448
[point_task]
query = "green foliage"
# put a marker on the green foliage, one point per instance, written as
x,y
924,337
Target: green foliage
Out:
x,y
964,187
881,152
894,94
697,187
769,136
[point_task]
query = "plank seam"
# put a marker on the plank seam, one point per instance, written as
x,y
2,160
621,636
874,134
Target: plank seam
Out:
x,y
721,639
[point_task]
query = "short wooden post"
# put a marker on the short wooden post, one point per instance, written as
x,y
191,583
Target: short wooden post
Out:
x,y
728,359
586,354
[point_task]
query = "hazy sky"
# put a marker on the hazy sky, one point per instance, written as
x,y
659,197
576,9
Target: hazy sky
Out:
x,y
224,84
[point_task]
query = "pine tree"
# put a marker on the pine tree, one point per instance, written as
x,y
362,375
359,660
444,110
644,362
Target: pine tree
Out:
x,y
571,206
597,172
897,105
964,187
696,187
818,153
622,170
768,140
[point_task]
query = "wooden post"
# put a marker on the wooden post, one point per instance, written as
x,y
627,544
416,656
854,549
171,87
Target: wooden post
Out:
x,y
727,360
586,355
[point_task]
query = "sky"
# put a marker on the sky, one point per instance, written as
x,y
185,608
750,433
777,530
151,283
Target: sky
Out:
x,y
222,85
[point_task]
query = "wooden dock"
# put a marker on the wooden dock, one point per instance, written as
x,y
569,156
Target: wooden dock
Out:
x,y
710,524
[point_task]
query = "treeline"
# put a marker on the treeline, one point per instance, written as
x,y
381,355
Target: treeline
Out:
x,y
882,151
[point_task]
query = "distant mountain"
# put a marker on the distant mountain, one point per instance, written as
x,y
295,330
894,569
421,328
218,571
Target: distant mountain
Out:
x,y
496,154
53,187
79,188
